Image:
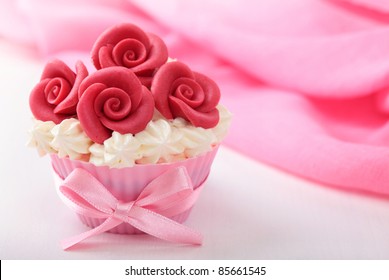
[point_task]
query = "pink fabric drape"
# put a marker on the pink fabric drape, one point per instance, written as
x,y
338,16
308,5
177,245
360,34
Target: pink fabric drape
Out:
x,y
307,81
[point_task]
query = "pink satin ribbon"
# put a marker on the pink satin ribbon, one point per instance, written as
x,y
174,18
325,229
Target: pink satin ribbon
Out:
x,y
168,195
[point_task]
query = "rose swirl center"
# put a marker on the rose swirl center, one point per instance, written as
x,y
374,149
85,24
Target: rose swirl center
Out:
x,y
189,91
113,104
129,53
56,90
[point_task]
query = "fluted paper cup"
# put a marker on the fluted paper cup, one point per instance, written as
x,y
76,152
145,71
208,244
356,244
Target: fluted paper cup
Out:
x,y
127,183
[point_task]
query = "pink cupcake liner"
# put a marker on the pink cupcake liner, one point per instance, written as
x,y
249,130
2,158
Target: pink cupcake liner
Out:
x,y
127,183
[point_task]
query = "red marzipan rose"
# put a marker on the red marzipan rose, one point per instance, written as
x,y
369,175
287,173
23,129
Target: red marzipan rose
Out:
x,y
129,46
179,92
55,97
113,99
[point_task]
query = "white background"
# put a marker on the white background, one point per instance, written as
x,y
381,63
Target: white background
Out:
x,y
247,210
275,269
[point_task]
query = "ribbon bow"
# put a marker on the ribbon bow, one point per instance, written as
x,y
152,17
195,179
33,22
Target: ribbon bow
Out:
x,y
167,195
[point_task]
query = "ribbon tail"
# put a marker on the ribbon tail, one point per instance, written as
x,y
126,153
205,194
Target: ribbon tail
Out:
x,y
162,227
105,226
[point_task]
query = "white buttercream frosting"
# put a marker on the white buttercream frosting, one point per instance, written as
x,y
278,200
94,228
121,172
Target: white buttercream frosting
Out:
x,y
117,151
220,131
70,140
196,140
170,59
41,137
97,154
161,141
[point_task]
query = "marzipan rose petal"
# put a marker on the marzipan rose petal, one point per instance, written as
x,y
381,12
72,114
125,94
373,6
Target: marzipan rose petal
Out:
x,y
179,92
113,99
55,97
129,46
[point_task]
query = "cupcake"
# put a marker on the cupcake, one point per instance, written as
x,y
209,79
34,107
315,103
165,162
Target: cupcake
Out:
x,y
132,141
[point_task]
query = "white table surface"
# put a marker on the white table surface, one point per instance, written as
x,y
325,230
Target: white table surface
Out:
x,y
247,210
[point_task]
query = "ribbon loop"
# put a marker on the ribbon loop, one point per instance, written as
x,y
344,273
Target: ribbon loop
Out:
x,y
167,195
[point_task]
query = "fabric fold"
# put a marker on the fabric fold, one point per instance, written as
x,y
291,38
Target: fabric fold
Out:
x,y
306,80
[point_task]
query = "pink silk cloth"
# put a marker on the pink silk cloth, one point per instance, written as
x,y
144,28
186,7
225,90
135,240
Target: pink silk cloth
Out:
x,y
306,80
